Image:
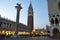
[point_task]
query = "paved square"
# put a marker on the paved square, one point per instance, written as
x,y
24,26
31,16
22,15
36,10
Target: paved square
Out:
x,y
32,38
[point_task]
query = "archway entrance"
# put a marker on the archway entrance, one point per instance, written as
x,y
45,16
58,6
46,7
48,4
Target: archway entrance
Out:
x,y
55,31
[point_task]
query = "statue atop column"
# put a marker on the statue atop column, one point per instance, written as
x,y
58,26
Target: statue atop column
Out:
x,y
18,7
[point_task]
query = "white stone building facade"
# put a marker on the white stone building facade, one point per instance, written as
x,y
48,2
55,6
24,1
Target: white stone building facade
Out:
x,y
54,15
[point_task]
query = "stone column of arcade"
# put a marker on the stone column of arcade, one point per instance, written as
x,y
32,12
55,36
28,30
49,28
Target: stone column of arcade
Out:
x,y
18,7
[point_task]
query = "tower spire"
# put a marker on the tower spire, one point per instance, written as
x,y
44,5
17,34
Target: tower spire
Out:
x,y
30,6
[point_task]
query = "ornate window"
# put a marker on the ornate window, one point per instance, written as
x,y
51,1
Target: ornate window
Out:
x,y
59,5
0,24
10,25
52,21
56,21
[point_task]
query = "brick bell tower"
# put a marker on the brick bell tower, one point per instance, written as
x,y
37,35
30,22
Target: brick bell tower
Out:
x,y
30,17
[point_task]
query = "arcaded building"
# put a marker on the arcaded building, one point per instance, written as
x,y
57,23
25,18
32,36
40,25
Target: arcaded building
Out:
x,y
8,25
54,16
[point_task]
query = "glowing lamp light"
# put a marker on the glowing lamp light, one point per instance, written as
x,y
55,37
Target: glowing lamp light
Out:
x,y
3,32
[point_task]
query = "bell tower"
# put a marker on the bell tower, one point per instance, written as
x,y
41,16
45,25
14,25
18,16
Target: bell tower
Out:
x,y
30,17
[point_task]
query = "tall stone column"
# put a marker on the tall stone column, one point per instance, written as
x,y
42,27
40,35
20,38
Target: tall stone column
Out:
x,y
18,7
